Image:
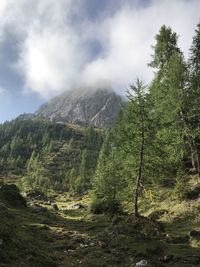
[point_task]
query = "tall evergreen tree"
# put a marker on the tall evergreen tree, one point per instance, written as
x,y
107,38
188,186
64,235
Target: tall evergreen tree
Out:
x,y
135,137
191,114
107,182
168,98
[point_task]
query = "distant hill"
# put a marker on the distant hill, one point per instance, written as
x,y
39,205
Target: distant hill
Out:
x,y
84,106
38,150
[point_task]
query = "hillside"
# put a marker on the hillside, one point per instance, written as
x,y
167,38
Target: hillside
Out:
x,y
52,151
39,235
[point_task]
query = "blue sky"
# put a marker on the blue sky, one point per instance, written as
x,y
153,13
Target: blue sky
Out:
x,y
48,46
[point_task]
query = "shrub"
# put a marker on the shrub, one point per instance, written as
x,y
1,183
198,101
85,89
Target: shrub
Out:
x,y
99,206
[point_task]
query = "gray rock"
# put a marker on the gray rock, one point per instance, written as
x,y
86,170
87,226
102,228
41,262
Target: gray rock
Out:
x,y
84,106
75,206
168,258
142,263
194,233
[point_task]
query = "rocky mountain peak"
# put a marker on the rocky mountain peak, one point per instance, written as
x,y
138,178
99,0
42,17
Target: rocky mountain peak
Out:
x,y
84,106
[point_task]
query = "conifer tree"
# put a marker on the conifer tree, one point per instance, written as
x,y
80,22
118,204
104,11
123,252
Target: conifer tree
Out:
x,y
107,182
168,98
135,137
191,114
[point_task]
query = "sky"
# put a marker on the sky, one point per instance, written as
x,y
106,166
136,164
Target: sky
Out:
x,y
48,46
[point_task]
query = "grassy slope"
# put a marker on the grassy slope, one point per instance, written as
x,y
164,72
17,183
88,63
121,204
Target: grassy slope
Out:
x,y
77,238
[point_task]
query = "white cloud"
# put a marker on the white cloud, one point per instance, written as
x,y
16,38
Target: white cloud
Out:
x,y
129,34
55,48
50,60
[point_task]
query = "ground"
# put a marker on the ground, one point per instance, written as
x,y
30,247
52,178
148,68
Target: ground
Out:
x,y
78,238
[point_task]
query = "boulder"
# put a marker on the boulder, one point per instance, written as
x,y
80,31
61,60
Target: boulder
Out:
x,y
75,206
168,258
194,233
10,194
142,263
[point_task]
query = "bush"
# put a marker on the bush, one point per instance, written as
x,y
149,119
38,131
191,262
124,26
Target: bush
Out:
x,y
99,206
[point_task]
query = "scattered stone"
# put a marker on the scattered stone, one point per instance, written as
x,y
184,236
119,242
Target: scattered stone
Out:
x,y
168,258
75,206
194,233
54,206
142,263
69,251
83,245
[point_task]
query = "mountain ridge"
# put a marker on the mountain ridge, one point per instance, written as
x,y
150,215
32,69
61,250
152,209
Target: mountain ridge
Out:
x,y
83,106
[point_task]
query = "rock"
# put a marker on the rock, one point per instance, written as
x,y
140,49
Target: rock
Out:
x,y
54,206
83,245
155,215
91,105
75,206
10,194
194,233
168,258
142,263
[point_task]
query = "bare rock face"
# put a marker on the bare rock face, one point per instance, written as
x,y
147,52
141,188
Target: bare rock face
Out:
x,y
83,106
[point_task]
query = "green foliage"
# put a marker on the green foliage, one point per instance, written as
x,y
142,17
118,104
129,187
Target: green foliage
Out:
x,y
166,45
107,182
47,153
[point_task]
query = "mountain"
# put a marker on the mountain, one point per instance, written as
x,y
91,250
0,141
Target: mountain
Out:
x,y
84,106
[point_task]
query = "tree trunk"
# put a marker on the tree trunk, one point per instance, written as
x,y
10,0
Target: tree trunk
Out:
x,y
139,175
193,149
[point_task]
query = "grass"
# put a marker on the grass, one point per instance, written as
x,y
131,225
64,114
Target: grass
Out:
x,y
79,238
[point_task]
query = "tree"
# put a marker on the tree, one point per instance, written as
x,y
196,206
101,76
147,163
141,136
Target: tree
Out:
x,y
81,182
107,182
36,176
191,114
141,135
168,93
166,45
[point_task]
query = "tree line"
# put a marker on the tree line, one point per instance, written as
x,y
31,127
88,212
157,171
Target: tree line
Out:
x,y
156,140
